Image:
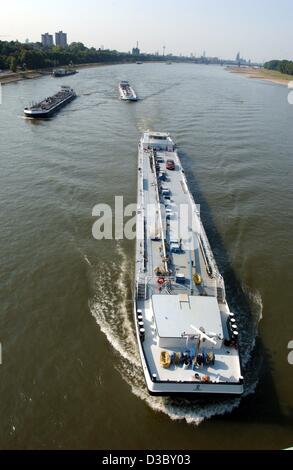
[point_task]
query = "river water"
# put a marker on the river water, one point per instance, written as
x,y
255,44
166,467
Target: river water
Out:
x,y
70,376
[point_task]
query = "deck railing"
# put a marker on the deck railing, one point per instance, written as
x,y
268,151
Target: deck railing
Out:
x,y
148,285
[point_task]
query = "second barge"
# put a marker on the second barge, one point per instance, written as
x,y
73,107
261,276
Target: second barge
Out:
x,y
51,105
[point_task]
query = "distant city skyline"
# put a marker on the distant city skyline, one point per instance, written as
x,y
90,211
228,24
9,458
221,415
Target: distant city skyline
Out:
x,y
260,29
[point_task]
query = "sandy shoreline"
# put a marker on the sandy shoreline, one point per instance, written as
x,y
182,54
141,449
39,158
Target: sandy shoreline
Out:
x,y
249,72
262,74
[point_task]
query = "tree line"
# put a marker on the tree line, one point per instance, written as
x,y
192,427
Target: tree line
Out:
x,y
283,66
14,55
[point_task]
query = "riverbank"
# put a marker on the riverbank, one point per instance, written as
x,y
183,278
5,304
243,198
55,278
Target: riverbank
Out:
x,y
262,74
250,72
10,77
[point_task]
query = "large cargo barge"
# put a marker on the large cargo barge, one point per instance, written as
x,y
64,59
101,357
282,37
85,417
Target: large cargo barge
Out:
x,y
61,73
51,105
187,335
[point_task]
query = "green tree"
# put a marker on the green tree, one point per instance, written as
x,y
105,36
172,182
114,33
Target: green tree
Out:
x,y
283,66
13,64
2,62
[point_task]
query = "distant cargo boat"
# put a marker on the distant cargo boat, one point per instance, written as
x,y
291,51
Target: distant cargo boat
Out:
x,y
126,92
187,335
59,73
51,105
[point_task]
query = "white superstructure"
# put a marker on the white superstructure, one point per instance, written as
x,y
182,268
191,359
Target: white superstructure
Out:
x,y
187,336
126,92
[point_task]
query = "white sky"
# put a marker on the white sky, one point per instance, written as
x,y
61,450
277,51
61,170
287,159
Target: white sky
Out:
x,y
259,29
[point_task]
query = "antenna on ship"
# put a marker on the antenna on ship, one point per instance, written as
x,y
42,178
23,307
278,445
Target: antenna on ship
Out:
x,y
188,337
203,336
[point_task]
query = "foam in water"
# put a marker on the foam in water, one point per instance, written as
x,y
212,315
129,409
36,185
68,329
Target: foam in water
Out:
x,y
249,327
110,302
112,298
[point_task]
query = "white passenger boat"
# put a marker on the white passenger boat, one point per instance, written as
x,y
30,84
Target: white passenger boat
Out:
x,y
187,335
126,92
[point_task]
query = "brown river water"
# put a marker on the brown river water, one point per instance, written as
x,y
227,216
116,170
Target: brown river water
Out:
x,y
70,376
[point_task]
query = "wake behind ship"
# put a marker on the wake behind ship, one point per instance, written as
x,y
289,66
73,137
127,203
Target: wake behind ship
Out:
x,y
51,105
187,335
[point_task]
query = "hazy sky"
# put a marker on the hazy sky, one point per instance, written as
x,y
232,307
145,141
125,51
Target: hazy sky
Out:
x,y
259,29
